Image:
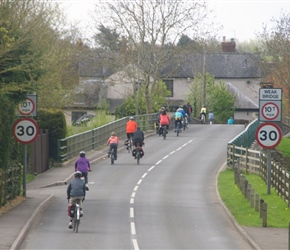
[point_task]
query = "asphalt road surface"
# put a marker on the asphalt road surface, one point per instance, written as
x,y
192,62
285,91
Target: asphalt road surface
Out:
x,y
169,201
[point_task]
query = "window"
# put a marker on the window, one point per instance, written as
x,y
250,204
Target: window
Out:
x,y
169,86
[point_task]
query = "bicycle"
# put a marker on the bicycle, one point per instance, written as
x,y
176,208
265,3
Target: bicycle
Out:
x,y
178,128
76,216
138,152
112,156
163,131
202,118
130,143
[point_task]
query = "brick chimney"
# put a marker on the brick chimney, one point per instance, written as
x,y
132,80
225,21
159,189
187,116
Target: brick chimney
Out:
x,y
228,46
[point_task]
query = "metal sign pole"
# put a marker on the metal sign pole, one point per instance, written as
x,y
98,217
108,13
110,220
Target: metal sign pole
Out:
x,y
268,171
24,170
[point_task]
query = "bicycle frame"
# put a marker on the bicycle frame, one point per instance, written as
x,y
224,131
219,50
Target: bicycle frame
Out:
x,y
77,216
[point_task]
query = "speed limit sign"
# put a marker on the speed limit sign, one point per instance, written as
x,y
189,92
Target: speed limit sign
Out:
x,y
25,130
268,135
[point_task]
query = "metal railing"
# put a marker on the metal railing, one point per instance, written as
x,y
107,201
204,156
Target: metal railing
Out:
x,y
70,147
247,137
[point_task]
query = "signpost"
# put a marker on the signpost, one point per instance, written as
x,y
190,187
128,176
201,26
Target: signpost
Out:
x,y
269,135
25,131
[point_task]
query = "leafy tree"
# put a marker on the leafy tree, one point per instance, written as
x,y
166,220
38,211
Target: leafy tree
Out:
x,y
127,108
150,31
275,51
218,98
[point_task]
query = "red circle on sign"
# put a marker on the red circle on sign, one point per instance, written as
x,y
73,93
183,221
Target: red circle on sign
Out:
x,y
263,109
27,111
268,135
25,130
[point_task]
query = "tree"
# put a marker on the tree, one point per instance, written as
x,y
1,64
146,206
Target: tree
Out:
x,y
127,108
218,98
151,30
275,52
33,50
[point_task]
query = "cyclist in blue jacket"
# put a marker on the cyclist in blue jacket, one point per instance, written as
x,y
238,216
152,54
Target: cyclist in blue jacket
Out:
x,y
76,190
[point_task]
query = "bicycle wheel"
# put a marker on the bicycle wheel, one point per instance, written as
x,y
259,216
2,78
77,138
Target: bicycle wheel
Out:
x,y
164,133
177,129
112,156
138,155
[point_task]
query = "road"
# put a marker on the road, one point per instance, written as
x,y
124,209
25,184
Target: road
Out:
x,y
169,201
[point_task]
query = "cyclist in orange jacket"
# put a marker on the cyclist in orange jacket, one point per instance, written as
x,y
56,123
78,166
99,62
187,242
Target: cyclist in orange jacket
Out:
x,y
131,127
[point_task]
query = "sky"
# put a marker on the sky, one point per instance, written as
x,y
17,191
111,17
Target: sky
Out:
x,y
241,20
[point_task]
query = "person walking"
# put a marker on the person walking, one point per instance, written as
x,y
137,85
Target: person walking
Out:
x,y
82,164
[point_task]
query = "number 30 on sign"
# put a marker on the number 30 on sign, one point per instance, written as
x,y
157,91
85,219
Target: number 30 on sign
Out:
x,y
25,130
268,135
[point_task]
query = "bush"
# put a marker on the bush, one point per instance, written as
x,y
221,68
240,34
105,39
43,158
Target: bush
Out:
x,y
54,121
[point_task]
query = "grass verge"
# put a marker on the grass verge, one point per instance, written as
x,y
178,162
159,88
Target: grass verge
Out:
x,y
278,214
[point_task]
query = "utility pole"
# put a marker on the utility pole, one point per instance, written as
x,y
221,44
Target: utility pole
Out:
x,y
204,77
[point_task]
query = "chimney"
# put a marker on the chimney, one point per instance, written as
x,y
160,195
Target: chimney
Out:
x,y
229,46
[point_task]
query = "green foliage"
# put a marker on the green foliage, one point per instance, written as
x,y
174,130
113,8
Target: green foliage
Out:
x,y
218,99
54,121
100,119
158,94
277,209
7,118
284,146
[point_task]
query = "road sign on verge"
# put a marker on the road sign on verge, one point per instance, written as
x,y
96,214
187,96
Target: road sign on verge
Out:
x,y
25,130
28,107
268,135
270,111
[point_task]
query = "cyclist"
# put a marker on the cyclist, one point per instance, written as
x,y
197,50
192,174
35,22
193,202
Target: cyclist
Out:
x,y
131,127
158,119
211,117
202,111
178,117
184,115
231,120
76,190
138,137
164,120
82,164
113,142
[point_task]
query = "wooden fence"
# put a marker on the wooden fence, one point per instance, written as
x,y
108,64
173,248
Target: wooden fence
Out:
x,y
254,161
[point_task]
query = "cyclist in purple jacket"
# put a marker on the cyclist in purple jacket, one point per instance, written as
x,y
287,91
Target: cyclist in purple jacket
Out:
x,y
82,164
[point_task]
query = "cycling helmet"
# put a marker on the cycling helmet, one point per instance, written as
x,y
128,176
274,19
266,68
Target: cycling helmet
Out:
x,y
78,174
210,111
203,106
180,106
131,118
113,134
162,109
179,110
82,154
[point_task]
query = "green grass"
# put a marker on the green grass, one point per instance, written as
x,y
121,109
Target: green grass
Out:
x,y
278,214
284,147
30,177
100,119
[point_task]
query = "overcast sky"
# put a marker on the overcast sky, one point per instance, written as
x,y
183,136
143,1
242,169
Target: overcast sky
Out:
x,y
241,19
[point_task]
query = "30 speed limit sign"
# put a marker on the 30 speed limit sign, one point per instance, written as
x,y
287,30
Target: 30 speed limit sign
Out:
x,y
268,135
25,130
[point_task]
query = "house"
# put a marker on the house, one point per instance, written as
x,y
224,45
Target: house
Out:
x,y
241,72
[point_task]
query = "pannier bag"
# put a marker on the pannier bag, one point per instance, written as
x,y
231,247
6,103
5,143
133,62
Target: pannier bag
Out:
x,y
71,210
